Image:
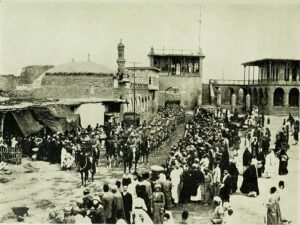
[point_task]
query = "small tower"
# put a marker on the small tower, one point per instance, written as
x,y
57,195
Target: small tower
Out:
x,y
121,60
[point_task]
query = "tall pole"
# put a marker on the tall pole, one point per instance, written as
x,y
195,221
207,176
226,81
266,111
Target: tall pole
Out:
x,y
199,35
244,74
134,90
253,68
134,102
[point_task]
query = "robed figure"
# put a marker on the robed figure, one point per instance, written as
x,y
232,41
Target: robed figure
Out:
x,y
250,183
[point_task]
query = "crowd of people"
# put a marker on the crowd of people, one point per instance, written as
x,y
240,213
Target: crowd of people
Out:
x,y
118,143
202,167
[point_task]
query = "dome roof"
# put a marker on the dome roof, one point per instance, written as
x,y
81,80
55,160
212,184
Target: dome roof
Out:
x,y
80,68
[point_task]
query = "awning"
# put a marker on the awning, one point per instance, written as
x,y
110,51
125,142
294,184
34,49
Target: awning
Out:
x,y
56,118
27,123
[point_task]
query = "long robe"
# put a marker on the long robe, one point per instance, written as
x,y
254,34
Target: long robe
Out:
x,y
158,203
247,156
167,190
283,163
225,191
175,179
250,183
273,211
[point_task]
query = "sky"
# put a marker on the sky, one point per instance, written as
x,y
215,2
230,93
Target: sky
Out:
x,y
232,32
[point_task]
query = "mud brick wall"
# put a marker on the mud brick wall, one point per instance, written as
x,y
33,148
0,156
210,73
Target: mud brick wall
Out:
x,y
8,82
30,73
75,86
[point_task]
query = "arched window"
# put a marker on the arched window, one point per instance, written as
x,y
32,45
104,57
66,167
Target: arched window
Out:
x,y
278,97
294,97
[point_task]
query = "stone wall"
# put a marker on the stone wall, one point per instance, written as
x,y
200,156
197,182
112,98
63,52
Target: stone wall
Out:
x,y
146,101
75,86
205,94
30,73
8,82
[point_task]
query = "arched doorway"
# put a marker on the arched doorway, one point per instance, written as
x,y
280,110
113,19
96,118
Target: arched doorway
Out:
x,y
278,97
294,97
227,96
241,96
266,96
260,97
142,105
255,94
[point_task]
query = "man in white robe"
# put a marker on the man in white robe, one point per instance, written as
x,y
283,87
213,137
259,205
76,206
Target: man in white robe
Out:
x,y
175,176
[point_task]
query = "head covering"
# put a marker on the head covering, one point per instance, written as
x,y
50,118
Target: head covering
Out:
x,y
114,188
96,198
157,186
67,209
217,199
86,191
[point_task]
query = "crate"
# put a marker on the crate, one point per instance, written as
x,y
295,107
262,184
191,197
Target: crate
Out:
x,y
11,155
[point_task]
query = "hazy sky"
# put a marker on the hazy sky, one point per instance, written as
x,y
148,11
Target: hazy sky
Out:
x,y
54,32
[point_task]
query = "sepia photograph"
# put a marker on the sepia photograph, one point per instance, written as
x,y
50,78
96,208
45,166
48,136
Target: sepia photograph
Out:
x,y
149,112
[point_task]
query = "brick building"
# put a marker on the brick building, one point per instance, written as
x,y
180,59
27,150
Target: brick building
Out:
x,y
179,70
272,85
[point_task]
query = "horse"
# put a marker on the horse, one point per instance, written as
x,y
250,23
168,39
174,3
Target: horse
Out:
x,y
130,157
85,166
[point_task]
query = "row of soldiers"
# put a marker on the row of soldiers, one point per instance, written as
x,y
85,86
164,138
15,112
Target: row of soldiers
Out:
x,y
116,142
137,143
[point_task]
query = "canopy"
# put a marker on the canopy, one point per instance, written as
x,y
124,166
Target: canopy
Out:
x,y
27,123
57,118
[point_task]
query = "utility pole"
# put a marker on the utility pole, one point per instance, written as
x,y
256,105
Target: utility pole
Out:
x,y
134,91
199,34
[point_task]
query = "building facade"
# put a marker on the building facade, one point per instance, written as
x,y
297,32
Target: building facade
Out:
x,y
272,85
180,70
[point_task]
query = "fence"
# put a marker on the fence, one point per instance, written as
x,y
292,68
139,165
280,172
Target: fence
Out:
x,y
11,155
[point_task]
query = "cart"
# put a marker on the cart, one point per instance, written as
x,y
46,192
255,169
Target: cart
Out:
x,y
11,155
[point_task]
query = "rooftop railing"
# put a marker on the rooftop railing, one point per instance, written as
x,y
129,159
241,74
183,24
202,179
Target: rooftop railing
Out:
x,y
252,82
176,52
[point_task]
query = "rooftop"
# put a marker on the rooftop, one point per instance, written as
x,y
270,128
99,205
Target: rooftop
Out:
x,y
176,52
144,68
267,60
80,68
7,104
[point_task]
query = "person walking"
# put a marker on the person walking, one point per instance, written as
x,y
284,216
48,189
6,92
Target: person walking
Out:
x,y
273,209
158,203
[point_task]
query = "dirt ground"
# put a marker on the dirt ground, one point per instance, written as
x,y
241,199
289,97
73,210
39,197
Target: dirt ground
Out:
x,y
51,188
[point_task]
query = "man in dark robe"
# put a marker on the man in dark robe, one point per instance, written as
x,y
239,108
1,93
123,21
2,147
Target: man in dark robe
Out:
x,y
250,183
224,163
247,157
197,178
254,147
265,145
225,189
234,173
127,201
186,185
261,162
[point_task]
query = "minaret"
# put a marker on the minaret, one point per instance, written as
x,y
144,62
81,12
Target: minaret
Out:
x,y
121,60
